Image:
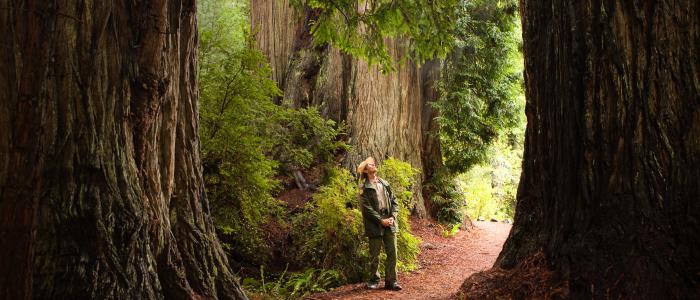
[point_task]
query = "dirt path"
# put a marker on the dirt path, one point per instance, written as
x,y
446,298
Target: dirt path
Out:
x,y
445,263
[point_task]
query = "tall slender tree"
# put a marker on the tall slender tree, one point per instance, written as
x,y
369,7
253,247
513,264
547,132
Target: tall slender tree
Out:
x,y
611,174
101,191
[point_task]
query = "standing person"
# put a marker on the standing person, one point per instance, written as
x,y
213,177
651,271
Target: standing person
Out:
x,y
379,212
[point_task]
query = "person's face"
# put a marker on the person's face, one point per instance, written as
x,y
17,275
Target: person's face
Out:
x,y
371,168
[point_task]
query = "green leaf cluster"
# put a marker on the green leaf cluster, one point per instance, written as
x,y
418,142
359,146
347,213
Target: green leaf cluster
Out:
x,y
235,103
331,232
359,28
449,201
246,138
480,84
295,286
491,187
306,136
331,229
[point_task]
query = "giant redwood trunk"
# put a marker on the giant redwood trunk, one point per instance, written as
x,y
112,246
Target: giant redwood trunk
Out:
x,y
610,187
101,191
386,114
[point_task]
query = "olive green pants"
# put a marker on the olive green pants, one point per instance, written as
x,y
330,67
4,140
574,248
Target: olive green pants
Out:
x,y
375,246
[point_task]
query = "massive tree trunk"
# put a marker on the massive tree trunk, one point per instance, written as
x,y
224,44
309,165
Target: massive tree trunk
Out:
x,y
100,177
386,114
611,174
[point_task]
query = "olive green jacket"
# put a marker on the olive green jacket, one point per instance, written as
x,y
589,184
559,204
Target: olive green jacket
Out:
x,y
371,215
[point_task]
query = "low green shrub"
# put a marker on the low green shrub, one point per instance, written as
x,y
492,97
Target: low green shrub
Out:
x,y
491,188
296,285
449,203
307,137
331,230
451,231
312,281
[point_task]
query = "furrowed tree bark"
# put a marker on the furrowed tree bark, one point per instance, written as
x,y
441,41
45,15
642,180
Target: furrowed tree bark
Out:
x,y
386,114
101,191
611,174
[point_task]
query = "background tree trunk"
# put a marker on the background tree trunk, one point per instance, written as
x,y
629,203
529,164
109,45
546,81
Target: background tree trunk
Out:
x,y
100,176
386,114
611,172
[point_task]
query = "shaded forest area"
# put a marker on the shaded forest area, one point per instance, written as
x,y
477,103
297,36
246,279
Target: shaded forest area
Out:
x,y
285,206
207,149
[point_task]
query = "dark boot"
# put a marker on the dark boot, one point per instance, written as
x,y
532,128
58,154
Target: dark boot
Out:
x,y
393,286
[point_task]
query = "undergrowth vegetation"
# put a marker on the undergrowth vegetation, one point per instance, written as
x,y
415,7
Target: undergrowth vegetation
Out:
x,y
492,187
328,236
255,150
251,146
448,200
247,139
291,285
330,232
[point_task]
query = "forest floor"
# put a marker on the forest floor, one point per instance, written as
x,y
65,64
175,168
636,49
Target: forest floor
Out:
x,y
445,262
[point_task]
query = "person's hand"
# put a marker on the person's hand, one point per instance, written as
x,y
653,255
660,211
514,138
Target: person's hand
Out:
x,y
387,222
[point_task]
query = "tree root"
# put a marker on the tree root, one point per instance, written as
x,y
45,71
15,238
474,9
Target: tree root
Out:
x,y
530,279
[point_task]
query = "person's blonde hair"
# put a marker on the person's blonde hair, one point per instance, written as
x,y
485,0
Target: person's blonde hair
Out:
x,y
362,173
